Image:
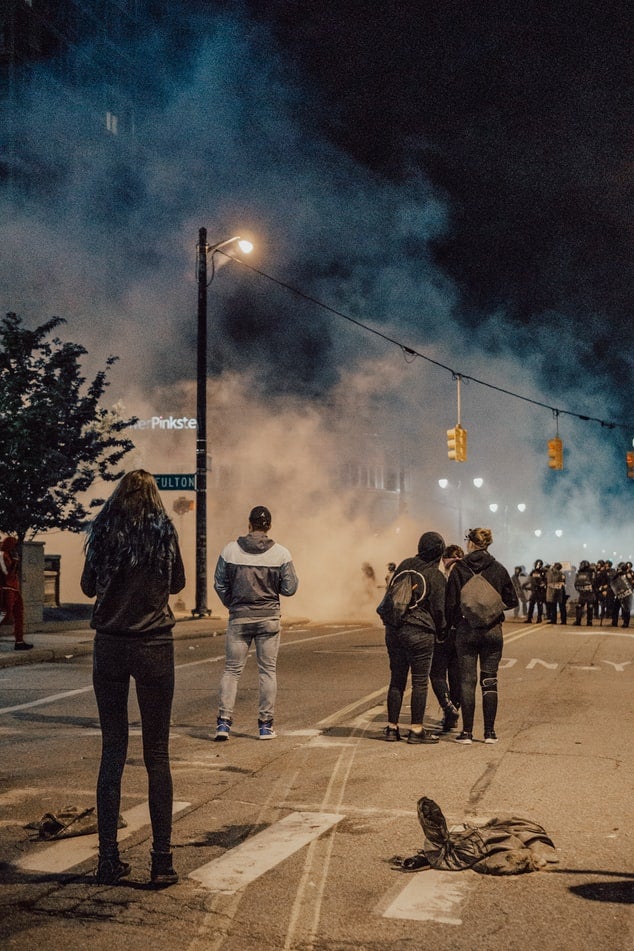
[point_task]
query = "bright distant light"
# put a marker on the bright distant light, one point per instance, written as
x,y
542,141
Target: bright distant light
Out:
x,y
558,532
493,507
245,246
478,482
538,532
521,507
443,483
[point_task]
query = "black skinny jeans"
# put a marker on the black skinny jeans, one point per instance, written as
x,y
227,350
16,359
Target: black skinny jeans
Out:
x,y
445,672
409,649
484,646
150,660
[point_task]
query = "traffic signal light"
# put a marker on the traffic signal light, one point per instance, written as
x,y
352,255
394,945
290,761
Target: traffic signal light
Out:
x,y
457,443
555,453
629,457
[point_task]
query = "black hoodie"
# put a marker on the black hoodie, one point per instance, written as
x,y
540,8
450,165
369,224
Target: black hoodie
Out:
x,y
496,574
430,613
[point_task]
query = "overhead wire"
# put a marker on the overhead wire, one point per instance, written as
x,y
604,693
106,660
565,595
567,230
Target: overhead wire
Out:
x,y
411,352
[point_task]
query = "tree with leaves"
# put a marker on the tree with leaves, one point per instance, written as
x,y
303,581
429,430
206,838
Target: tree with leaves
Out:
x,y
55,438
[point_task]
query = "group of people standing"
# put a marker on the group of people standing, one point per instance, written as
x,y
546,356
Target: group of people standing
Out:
x,y
600,591
435,643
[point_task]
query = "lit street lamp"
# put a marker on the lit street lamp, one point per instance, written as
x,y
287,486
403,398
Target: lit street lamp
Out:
x,y
202,251
444,483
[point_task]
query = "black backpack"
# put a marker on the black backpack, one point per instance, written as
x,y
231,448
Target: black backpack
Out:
x,y
405,592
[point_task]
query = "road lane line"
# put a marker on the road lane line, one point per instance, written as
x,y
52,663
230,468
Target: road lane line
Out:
x,y
210,660
430,896
43,700
341,714
64,854
259,854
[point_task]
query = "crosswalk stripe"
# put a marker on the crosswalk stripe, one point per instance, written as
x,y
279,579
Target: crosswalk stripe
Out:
x,y
248,861
431,896
66,853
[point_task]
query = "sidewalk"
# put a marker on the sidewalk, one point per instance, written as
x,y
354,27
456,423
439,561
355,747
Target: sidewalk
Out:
x,y
65,633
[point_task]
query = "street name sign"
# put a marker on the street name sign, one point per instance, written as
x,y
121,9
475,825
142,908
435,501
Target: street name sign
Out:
x,y
176,482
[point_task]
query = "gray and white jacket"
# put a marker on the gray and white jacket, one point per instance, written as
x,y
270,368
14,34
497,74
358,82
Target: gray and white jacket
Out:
x,y
251,574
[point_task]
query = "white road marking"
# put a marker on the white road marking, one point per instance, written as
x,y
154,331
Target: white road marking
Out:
x,y
43,700
210,660
259,854
64,854
598,630
340,714
431,896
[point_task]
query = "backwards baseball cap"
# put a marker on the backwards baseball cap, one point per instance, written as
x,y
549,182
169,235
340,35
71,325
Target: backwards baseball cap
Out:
x,y
260,518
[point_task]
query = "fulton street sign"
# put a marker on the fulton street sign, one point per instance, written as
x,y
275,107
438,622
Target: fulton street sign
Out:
x,y
176,482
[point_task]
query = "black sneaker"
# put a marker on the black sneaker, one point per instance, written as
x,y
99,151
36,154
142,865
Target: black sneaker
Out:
x,y
490,737
110,870
163,873
464,738
392,734
450,720
23,646
422,737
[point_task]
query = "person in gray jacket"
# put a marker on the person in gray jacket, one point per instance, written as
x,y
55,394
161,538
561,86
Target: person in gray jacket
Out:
x,y
251,574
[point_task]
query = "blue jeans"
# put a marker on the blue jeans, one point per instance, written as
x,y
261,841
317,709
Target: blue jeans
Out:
x,y
409,648
485,646
150,660
240,637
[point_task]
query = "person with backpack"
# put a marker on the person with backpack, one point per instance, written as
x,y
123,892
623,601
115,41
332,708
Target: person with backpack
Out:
x,y
479,590
413,611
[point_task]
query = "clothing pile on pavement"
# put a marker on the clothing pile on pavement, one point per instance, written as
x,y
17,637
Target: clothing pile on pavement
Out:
x,y
501,846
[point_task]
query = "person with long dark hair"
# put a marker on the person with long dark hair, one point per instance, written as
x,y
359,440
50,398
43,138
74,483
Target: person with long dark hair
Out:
x,y
133,563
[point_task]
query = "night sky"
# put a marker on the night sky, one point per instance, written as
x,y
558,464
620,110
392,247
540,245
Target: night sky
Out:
x,y
520,115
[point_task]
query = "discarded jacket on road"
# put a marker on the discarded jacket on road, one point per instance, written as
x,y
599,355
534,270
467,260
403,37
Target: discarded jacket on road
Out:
x,y
69,821
502,846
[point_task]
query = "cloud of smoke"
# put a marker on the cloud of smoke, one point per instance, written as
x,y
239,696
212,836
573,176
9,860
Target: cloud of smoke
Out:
x,y
295,394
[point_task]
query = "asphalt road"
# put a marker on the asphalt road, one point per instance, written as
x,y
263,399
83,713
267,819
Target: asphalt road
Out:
x,y
287,844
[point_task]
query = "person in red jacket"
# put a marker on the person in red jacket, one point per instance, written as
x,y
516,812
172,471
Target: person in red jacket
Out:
x,y
11,603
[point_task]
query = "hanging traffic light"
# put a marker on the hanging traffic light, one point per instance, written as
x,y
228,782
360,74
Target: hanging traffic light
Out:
x,y
461,439
629,458
555,453
457,443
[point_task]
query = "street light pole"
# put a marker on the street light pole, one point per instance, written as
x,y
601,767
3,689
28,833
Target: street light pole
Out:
x,y
201,608
202,251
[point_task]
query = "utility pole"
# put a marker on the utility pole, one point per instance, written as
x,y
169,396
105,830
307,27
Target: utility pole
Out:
x,y
201,609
